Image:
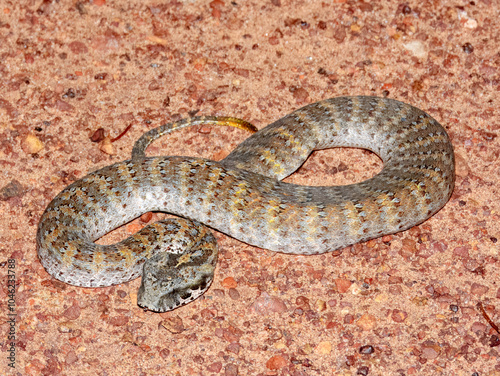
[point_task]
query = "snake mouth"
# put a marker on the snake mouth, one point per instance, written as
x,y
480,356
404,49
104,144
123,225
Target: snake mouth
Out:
x,y
165,290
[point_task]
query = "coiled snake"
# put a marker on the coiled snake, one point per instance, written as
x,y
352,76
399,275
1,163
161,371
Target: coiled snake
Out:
x,y
243,196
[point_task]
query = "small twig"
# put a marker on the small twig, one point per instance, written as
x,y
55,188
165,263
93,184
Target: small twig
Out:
x,y
121,134
487,318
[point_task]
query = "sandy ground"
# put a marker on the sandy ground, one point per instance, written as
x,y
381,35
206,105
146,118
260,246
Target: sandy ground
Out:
x,y
405,304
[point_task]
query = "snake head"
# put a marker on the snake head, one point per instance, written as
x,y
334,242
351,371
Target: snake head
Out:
x,y
173,280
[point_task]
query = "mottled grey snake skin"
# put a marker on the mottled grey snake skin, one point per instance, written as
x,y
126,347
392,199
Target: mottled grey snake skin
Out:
x,y
242,196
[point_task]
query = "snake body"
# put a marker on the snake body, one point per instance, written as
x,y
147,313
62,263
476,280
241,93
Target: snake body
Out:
x,y
243,196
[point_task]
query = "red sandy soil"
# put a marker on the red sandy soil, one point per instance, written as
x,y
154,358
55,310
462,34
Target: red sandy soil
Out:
x,y
405,304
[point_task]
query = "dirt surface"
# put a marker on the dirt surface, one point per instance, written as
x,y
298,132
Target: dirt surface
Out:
x,y
405,304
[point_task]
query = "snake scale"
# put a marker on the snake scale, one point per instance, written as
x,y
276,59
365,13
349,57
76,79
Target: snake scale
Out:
x,y
243,196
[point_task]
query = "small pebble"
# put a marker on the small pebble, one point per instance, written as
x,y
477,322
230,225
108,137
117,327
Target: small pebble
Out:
x,y
367,349
106,146
398,315
468,48
98,135
31,144
73,312
342,285
324,348
366,322
276,362
234,294
478,289
173,324
12,189
229,282
266,304
214,367
363,371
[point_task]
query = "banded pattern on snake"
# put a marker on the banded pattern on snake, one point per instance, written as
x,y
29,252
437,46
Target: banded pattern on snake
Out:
x,y
243,196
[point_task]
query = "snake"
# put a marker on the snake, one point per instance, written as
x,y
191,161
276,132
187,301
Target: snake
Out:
x,y
244,196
